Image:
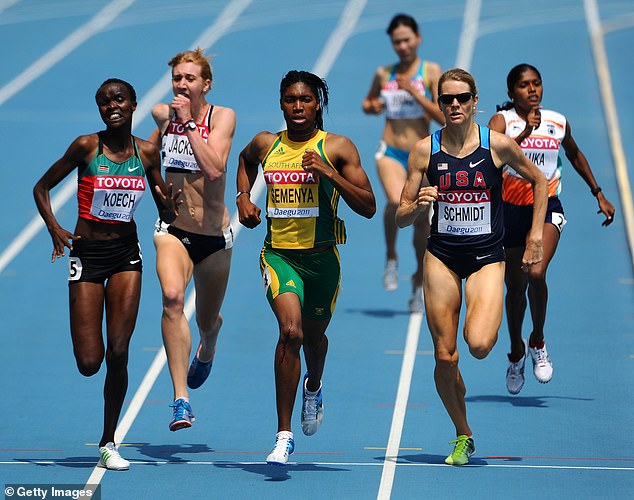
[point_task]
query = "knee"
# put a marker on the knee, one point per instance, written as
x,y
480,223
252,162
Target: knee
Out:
x,y
117,356
446,362
291,335
480,348
173,301
537,274
88,365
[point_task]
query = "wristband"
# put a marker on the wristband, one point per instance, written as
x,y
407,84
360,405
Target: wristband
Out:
x,y
242,192
595,191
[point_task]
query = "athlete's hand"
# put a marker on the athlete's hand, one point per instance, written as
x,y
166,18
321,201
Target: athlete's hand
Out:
x,y
182,107
426,196
533,254
405,83
375,106
170,201
606,208
533,119
313,162
248,212
61,239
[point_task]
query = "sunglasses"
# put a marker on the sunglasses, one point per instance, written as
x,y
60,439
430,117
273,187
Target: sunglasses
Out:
x,y
447,99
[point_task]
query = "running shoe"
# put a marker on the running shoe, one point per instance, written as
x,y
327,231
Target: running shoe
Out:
x,y
312,409
515,375
284,447
465,447
109,458
390,275
416,301
198,371
183,415
542,366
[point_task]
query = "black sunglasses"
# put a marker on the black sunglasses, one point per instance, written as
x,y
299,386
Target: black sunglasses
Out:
x,y
447,99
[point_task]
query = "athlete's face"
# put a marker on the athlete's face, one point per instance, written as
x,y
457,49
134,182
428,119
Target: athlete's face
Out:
x,y
115,105
299,105
405,43
528,91
187,81
455,111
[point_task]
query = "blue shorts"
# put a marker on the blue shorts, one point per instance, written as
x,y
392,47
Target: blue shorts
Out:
x,y
385,151
518,220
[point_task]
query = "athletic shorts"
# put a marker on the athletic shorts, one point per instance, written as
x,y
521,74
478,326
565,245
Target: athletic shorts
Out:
x,y
97,260
465,264
518,220
198,246
314,278
385,151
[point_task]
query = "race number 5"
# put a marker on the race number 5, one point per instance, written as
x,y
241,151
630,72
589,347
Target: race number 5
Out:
x,y
74,268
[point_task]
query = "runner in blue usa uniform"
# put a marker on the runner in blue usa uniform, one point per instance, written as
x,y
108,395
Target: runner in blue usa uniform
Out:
x,y
463,163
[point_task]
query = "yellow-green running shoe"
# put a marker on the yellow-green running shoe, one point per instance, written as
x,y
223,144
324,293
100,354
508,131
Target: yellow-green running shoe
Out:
x,y
465,447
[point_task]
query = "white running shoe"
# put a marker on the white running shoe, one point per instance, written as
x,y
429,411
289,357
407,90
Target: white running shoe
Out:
x,y
390,275
284,446
515,376
417,301
312,409
542,366
109,458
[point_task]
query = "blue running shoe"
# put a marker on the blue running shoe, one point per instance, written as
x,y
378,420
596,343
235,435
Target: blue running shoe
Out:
x,y
183,415
284,446
312,409
198,371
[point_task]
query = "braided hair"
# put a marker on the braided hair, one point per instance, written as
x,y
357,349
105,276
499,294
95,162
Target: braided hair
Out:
x,y
317,85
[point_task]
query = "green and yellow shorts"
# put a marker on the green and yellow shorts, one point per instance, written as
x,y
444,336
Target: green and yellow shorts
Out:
x,y
314,278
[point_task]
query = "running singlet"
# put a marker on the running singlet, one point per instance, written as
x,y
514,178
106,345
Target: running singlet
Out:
x,y
301,207
108,191
542,148
399,103
468,213
176,150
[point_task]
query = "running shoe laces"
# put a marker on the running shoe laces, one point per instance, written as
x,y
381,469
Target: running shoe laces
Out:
x,y
312,409
465,447
542,366
183,415
284,447
109,458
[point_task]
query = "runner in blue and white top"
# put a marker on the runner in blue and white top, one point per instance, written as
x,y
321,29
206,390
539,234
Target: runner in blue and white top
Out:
x,y
464,162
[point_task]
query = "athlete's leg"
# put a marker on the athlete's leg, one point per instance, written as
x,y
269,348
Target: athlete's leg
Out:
x,y
516,283
123,292
174,269
210,278
484,293
443,297
392,175
86,301
537,286
287,309
315,349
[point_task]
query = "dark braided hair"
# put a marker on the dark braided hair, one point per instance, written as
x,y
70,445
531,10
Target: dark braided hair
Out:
x,y
511,79
122,82
317,85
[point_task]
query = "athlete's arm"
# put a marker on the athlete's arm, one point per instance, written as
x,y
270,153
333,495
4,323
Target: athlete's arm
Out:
x,y
581,165
373,104
166,201
506,151
76,155
497,123
348,176
415,198
248,162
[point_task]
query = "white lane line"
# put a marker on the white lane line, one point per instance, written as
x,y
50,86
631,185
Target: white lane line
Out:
x,y
341,33
464,57
100,20
5,4
67,189
611,118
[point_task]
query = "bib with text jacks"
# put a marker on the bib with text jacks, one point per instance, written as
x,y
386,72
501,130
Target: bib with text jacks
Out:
x,y
301,207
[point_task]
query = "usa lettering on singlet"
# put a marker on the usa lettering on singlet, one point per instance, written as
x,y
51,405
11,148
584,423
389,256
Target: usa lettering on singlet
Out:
x,y
109,191
176,149
399,103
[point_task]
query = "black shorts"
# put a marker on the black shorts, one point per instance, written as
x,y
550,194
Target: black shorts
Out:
x,y
465,264
518,220
97,260
198,246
